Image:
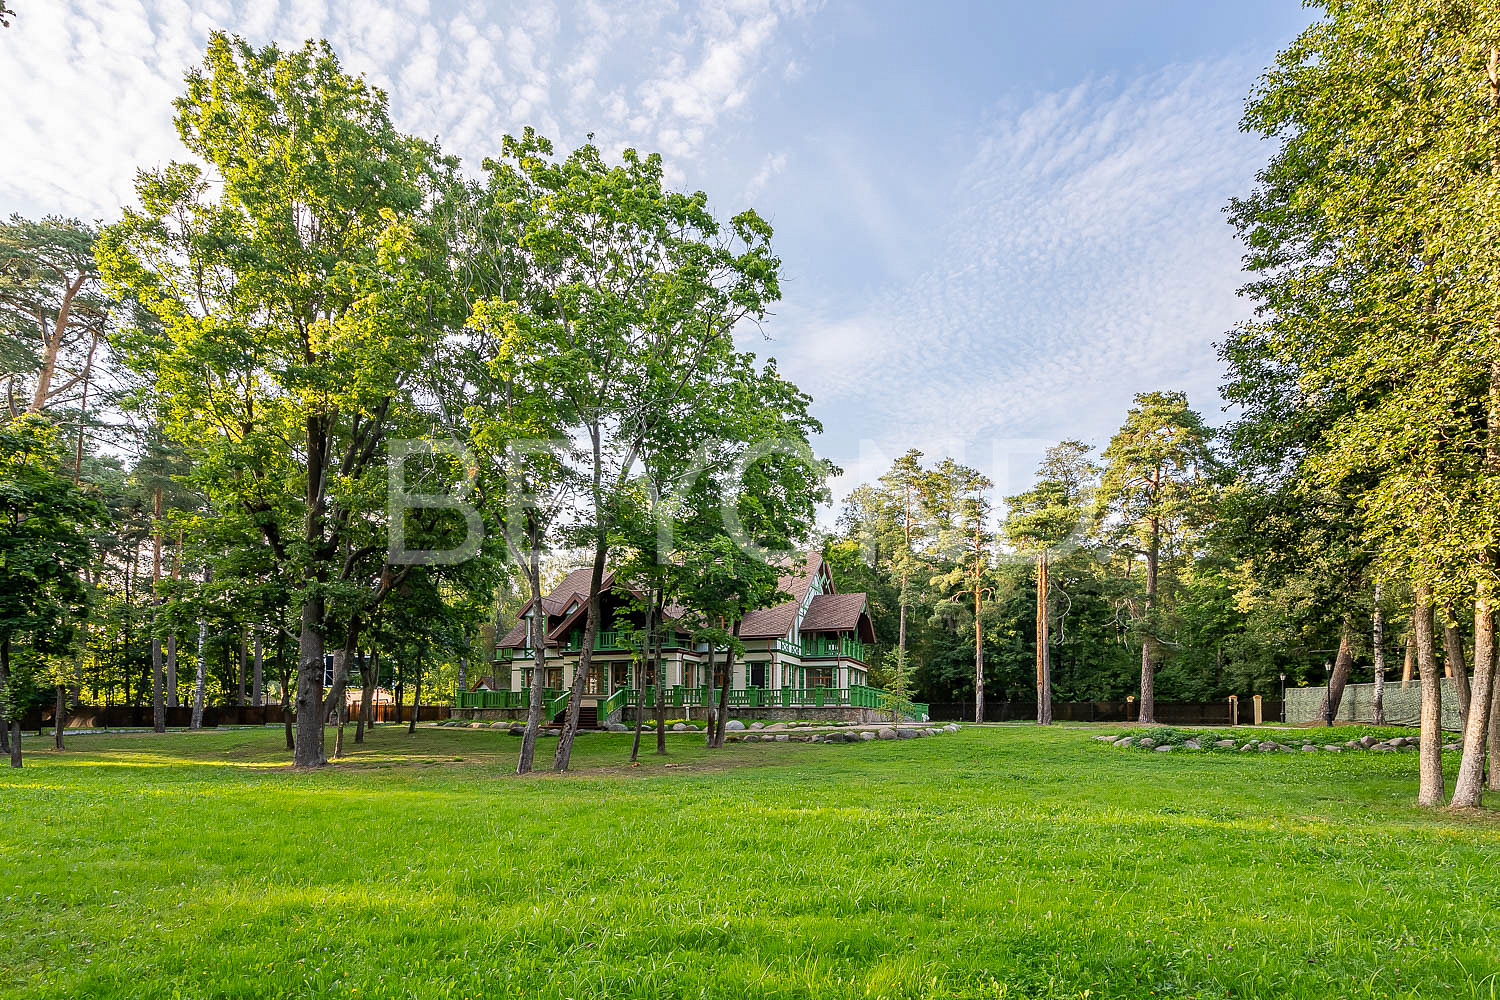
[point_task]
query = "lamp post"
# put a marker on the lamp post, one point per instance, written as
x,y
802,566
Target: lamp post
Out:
x,y
1283,697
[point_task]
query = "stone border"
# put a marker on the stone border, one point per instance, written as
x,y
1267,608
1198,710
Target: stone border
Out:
x,y
736,732
1271,746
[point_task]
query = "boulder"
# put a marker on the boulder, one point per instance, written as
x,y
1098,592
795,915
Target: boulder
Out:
x,y
1165,748
477,725
617,727
1453,746
782,737
1309,748
1125,741
679,727
1247,748
757,725
517,729
734,726
906,734
1147,741
1192,745
1266,746
1224,744
887,733
866,736
1367,741
1333,749
776,727
952,727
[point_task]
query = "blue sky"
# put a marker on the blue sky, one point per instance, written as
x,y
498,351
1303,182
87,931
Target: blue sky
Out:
x,y
998,221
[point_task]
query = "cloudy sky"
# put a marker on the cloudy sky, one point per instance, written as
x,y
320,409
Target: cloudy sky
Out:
x,y
998,220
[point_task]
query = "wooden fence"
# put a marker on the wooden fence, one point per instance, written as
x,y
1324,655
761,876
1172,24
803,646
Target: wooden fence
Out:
x,y
139,716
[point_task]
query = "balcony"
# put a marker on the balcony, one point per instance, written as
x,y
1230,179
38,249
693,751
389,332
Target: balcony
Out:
x,y
819,647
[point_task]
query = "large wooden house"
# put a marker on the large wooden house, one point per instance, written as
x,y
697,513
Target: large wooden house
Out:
x,y
807,652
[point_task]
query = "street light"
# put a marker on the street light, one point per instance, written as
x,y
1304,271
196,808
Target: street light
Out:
x,y
1283,697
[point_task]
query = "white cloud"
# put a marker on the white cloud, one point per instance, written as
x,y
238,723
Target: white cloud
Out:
x,y
108,70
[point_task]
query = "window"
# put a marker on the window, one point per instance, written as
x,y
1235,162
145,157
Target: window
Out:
x,y
820,677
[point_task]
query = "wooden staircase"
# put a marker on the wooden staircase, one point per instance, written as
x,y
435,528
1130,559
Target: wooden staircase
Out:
x,y
588,717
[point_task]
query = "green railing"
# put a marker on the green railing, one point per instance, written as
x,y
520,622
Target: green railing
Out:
x,y
603,639
854,696
614,703
785,645
554,705
815,646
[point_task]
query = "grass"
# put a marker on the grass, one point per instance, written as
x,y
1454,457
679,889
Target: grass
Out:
x,y
1001,862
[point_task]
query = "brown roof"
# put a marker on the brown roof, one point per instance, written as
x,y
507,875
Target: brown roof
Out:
x,y
833,612
768,623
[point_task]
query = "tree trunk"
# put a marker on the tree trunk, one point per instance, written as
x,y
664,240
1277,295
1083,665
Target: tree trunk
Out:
x,y
257,692
978,640
585,659
723,718
1494,734
1430,787
52,344
1468,786
309,748
635,746
1043,650
710,708
536,632
158,677
1454,666
1148,641
463,672
59,715
367,679
4,680
337,699
416,697
1377,629
172,696
200,680
172,671
661,681
1342,664
241,695
1410,662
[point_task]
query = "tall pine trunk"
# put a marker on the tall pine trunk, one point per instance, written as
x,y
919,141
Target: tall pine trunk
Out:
x,y
1148,641
978,655
1043,644
158,677
1430,787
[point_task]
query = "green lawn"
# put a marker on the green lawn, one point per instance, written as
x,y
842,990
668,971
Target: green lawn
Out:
x,y
1005,862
